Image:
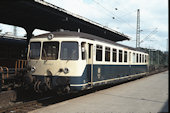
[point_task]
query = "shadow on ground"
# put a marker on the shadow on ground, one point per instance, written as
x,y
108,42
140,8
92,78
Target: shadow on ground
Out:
x,y
165,108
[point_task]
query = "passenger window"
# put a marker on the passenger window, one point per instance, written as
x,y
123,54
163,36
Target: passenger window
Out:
x,y
145,58
137,59
114,56
140,58
125,56
98,53
130,57
107,54
120,55
134,60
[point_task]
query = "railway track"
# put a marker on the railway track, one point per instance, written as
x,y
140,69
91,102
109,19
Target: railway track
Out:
x,y
24,107
29,105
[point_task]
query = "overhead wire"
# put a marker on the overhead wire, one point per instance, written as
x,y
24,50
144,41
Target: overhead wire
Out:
x,y
149,35
108,11
129,13
117,18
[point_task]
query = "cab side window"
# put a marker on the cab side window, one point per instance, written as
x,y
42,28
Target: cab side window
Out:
x,y
83,51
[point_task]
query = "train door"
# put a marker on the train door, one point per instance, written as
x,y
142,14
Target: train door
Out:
x,y
90,63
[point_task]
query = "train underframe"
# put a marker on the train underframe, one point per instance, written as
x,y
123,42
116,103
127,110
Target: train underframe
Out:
x,y
47,83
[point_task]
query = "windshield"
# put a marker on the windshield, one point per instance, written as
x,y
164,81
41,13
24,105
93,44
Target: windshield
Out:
x,y
50,50
69,51
34,50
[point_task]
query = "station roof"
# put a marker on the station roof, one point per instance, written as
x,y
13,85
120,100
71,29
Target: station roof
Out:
x,y
38,14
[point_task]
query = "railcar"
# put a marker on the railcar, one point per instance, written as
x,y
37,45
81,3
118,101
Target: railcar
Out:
x,y
11,50
74,61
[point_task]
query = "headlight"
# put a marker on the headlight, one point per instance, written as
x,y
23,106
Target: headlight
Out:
x,y
50,36
33,69
66,70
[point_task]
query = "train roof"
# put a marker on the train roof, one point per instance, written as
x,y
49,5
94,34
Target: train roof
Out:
x,y
83,35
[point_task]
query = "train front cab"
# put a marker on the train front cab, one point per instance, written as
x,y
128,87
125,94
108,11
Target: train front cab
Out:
x,y
58,63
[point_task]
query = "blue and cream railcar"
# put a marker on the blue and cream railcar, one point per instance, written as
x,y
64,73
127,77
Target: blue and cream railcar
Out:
x,y
77,61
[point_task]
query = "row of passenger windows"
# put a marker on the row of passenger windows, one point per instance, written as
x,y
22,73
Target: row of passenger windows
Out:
x,y
136,57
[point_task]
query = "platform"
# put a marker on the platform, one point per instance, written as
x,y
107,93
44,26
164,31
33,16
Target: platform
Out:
x,y
145,95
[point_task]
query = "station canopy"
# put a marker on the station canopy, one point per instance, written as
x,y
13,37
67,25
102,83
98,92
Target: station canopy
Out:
x,y
38,14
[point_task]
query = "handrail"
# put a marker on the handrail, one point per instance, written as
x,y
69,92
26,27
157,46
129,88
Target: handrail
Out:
x,y
20,64
7,71
3,75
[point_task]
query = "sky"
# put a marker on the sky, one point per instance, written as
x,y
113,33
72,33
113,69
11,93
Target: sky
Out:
x,y
120,15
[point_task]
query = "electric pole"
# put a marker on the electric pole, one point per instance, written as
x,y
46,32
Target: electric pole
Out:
x,y
138,29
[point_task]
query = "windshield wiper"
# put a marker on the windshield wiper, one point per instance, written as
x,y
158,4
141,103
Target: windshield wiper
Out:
x,y
71,56
45,54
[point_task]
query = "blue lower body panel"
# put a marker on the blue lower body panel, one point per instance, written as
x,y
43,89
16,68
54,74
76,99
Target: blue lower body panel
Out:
x,y
101,74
